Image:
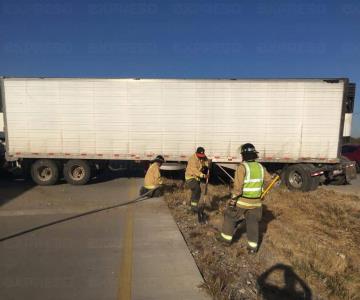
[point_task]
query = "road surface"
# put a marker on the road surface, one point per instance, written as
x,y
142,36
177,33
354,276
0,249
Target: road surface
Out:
x,y
351,189
132,252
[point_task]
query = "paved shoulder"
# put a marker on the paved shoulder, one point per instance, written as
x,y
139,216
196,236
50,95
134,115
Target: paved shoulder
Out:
x,y
350,189
163,266
132,252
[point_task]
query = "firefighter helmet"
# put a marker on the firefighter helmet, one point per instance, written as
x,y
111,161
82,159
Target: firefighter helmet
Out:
x,y
159,159
248,148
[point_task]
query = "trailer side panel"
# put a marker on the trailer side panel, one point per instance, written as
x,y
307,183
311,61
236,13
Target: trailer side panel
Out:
x,y
287,120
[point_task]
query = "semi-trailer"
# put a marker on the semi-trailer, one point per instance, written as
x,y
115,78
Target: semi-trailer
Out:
x,y
65,127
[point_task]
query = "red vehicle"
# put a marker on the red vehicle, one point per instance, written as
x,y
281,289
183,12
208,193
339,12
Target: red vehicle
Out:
x,y
352,152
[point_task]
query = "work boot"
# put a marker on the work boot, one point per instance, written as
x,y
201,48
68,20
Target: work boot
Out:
x,y
223,242
194,209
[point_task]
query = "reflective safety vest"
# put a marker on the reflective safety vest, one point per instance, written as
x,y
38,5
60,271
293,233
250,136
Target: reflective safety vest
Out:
x,y
254,180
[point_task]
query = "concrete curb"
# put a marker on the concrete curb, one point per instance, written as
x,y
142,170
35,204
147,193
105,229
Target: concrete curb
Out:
x,y
163,265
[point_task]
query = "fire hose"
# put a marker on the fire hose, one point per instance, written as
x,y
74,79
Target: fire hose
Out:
x,y
138,199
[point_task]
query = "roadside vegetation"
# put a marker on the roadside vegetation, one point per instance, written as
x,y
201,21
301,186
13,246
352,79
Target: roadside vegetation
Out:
x,y
309,249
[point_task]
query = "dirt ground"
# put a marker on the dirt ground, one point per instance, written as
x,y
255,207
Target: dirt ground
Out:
x,y
309,246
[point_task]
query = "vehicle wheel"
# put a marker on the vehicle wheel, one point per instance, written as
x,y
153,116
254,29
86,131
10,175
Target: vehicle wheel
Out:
x,y
77,172
357,167
297,177
314,181
44,172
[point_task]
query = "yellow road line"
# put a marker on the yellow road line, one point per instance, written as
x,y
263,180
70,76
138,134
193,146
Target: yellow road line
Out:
x,y
127,257
125,280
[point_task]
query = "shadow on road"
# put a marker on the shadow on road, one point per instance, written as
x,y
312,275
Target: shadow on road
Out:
x,y
137,170
108,175
12,187
290,287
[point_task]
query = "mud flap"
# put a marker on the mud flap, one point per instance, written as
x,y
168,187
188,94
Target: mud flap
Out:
x,y
350,172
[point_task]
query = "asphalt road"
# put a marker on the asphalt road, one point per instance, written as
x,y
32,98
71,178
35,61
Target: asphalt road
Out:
x,y
351,189
131,252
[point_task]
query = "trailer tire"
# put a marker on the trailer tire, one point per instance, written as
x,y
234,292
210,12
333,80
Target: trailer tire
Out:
x,y
44,172
297,177
77,172
314,180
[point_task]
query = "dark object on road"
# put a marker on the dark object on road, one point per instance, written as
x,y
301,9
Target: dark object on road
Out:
x,y
352,152
293,286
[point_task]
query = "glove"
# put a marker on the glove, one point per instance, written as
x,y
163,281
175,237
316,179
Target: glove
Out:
x,y
233,200
204,169
234,196
232,203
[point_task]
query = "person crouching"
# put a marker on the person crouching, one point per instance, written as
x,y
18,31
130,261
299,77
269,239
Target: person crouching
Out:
x,y
153,181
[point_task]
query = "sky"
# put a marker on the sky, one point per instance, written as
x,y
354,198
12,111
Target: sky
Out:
x,y
182,39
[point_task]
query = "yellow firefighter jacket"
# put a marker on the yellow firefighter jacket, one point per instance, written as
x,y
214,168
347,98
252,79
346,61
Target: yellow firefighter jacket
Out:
x,y
153,178
193,168
238,188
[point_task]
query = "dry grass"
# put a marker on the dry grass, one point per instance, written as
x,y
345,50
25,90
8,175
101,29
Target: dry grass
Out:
x,y
316,233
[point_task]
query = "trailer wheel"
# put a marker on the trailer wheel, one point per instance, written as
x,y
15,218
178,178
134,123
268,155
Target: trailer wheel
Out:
x,y
314,180
44,172
297,177
77,172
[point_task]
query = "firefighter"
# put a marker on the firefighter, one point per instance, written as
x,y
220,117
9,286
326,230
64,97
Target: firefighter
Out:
x,y
245,202
153,181
195,171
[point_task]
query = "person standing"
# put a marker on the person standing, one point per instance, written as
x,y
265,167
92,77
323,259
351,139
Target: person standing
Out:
x,y
153,181
194,173
245,202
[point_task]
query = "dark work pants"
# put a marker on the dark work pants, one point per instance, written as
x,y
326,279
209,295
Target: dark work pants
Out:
x,y
158,192
194,186
232,217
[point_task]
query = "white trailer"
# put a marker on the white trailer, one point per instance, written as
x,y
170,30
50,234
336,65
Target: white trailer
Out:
x,y
71,123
